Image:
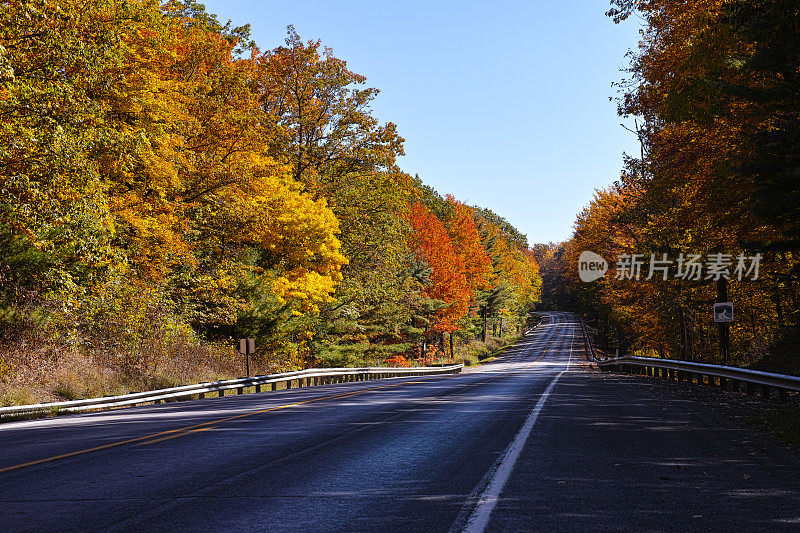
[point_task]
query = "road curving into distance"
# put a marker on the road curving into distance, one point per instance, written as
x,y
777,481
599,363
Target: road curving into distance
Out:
x,y
536,440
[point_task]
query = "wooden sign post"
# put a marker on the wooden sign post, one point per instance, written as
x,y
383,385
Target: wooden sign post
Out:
x,y
246,347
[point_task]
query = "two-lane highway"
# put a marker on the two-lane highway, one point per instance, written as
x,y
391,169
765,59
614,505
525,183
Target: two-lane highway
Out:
x,y
532,441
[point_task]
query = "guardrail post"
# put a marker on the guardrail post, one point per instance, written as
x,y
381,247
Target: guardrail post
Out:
x,y
240,390
258,387
783,395
750,388
765,390
201,395
221,393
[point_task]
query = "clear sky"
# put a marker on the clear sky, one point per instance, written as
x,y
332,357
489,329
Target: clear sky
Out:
x,y
504,104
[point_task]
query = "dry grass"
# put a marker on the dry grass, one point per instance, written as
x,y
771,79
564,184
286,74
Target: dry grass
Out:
x,y
39,370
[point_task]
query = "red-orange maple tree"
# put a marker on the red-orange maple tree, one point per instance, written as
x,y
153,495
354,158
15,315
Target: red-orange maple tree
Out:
x,y
431,242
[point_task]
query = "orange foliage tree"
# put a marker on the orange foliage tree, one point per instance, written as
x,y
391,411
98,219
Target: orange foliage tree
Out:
x,y
430,241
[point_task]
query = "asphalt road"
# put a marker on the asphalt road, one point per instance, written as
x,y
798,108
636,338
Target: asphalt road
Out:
x,y
534,441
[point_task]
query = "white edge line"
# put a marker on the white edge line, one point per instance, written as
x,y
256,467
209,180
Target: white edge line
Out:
x,y
488,500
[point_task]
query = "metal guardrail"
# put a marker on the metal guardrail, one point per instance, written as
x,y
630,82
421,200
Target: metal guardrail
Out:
x,y
588,340
309,377
688,371
727,376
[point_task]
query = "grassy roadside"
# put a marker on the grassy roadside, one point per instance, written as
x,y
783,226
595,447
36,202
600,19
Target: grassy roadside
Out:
x,y
46,375
481,353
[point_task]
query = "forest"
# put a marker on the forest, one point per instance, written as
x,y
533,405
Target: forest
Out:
x,y
714,92
167,187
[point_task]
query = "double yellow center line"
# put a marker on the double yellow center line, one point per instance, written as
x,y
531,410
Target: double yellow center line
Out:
x,y
205,426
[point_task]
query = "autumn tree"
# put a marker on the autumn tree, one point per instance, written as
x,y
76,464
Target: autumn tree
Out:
x,y
431,242
327,125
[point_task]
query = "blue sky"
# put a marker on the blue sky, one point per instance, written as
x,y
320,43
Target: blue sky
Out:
x,y
502,104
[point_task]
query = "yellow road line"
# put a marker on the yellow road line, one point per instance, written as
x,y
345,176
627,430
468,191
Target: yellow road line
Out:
x,y
174,436
171,433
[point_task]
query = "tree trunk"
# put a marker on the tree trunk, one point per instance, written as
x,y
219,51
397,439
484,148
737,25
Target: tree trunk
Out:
x,y
483,332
